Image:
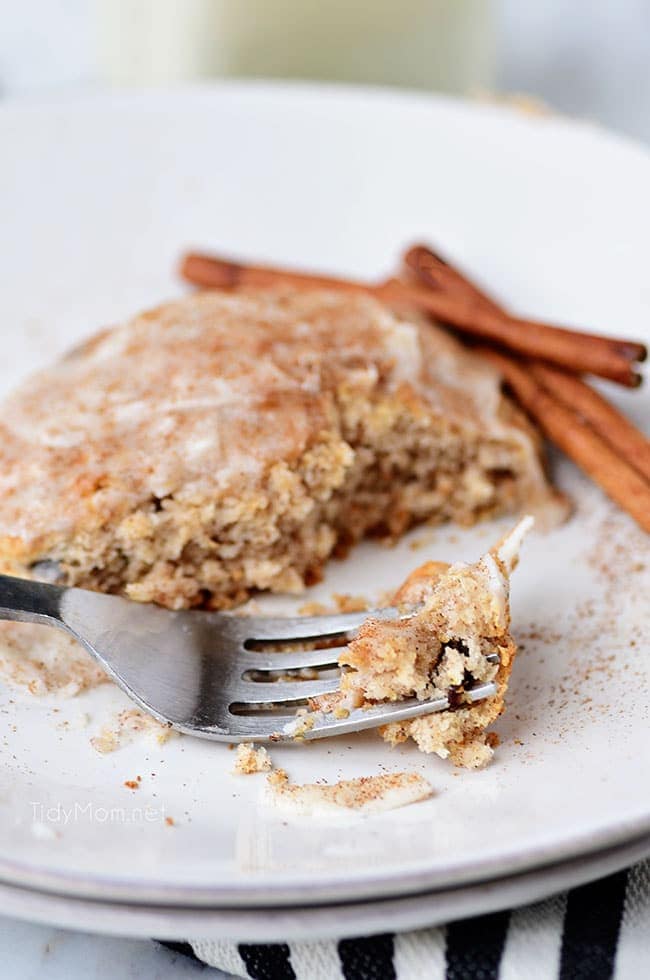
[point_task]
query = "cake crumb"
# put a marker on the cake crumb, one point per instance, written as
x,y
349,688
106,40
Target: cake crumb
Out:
x,y
132,783
342,602
302,723
365,794
350,603
44,661
248,759
129,725
313,609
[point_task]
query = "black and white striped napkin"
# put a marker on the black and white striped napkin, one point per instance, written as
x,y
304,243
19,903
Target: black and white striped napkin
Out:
x,y
594,932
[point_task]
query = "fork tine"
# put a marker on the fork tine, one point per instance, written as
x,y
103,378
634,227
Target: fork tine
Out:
x,y
296,659
260,727
253,692
292,659
265,727
300,627
383,714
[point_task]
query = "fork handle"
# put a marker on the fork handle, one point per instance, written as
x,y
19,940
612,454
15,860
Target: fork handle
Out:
x,y
26,601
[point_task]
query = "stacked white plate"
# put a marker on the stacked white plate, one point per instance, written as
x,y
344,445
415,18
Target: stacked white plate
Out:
x,y
98,198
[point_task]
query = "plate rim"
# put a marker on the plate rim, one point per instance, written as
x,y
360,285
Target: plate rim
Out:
x,y
251,893
322,90
264,924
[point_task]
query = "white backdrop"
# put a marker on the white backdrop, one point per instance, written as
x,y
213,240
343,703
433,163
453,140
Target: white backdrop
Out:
x,y
584,57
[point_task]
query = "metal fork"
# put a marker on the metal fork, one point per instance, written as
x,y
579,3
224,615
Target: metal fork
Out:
x,y
208,674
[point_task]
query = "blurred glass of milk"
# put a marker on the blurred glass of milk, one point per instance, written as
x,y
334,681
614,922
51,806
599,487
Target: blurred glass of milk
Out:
x,y
446,45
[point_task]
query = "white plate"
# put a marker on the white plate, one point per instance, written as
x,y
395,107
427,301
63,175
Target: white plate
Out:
x,y
305,922
98,197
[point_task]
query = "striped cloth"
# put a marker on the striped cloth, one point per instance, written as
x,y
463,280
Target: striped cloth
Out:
x,y
594,932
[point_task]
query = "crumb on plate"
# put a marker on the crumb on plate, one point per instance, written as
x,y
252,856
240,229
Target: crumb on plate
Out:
x,y
248,759
365,794
129,725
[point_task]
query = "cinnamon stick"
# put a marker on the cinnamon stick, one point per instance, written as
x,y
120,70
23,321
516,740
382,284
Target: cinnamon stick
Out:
x,y
607,357
623,437
577,439
436,272
212,272
610,424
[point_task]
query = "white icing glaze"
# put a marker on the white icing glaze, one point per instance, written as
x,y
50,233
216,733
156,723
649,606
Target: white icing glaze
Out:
x,y
207,392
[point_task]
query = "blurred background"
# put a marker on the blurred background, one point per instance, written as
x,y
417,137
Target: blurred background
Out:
x,y
587,58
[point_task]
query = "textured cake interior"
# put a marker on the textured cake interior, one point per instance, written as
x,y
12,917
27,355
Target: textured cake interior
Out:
x,y
229,443
457,640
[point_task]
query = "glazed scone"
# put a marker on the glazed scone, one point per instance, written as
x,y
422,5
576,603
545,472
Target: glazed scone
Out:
x,y
458,638
230,442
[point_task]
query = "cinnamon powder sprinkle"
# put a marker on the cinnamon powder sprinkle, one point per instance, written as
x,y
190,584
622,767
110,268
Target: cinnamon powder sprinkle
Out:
x,y
366,794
